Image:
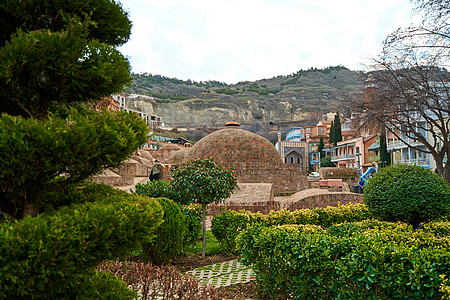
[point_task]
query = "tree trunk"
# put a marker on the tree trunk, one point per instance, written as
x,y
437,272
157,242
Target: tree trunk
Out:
x,y
204,230
30,208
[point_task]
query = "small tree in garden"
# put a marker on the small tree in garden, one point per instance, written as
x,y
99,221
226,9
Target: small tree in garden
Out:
x,y
204,181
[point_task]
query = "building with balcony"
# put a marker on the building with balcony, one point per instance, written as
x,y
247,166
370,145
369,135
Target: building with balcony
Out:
x,y
406,150
353,153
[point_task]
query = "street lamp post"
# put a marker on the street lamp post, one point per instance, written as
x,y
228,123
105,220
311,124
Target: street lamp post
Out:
x,y
359,164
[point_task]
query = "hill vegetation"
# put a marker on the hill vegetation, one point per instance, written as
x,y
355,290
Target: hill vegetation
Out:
x,y
291,98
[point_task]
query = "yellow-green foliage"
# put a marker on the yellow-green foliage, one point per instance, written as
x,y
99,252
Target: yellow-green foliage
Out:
x,y
445,288
228,224
361,260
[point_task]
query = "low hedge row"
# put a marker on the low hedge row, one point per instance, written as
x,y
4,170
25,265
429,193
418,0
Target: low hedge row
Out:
x,y
51,256
368,260
226,226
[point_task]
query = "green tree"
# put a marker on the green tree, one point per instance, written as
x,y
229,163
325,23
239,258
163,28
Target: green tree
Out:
x,y
337,135
321,146
332,132
385,158
40,156
54,56
326,162
204,181
56,53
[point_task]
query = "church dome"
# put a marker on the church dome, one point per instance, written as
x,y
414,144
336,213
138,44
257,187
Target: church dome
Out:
x,y
234,145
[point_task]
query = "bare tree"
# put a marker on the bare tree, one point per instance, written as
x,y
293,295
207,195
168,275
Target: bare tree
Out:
x,y
409,92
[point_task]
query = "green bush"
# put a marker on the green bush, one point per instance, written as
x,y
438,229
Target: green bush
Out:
x,y
170,235
226,226
53,254
193,214
161,188
366,260
77,194
155,189
407,193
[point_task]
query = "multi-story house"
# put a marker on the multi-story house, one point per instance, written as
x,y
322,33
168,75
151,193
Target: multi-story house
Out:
x,y
293,150
353,153
404,149
302,143
139,104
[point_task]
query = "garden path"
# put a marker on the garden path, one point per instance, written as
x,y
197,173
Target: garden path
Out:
x,y
223,274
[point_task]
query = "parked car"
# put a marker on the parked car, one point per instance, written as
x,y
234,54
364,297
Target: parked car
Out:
x,y
314,175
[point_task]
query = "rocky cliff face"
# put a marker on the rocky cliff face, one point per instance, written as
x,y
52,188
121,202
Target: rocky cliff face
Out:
x,y
219,112
280,99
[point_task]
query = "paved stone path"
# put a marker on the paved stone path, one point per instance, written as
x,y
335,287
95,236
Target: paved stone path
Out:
x,y
223,274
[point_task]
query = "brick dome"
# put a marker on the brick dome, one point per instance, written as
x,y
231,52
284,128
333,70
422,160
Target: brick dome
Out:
x,y
177,157
234,145
170,147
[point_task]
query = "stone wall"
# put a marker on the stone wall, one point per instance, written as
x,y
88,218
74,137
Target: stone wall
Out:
x,y
160,155
249,196
348,175
325,200
284,177
132,167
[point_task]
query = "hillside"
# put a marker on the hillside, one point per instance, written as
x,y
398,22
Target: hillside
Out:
x,y
296,97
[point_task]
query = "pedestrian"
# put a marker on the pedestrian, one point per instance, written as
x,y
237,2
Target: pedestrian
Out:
x,y
154,174
361,184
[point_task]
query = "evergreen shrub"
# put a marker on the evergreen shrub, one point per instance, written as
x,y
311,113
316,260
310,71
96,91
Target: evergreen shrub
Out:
x,y
52,255
226,226
169,236
161,188
364,260
407,193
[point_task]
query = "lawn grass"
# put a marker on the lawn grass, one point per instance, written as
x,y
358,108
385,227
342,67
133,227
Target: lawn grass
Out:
x,y
211,248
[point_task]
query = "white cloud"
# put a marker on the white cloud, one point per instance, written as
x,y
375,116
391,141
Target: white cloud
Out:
x,y
231,40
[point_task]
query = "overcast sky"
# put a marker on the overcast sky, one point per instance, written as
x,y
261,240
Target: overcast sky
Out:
x,y
238,40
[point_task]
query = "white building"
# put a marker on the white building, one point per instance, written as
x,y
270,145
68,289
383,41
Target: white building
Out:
x,y
139,104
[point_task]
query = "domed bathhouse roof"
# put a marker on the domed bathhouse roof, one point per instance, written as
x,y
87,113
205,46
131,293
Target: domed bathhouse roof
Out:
x,y
170,147
178,157
252,157
233,145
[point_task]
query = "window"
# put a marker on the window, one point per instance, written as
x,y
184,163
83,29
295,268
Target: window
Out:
x,y
357,150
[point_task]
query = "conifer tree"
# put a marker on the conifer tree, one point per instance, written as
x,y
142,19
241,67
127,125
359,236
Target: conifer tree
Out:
x,y
337,136
321,145
332,132
384,155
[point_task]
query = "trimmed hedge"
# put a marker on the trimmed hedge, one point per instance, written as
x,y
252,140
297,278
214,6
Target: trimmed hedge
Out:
x,y
169,236
367,260
52,255
407,193
227,226
161,188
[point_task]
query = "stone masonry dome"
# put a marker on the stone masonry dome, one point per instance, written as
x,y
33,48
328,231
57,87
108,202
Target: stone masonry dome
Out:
x,y
177,157
233,146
